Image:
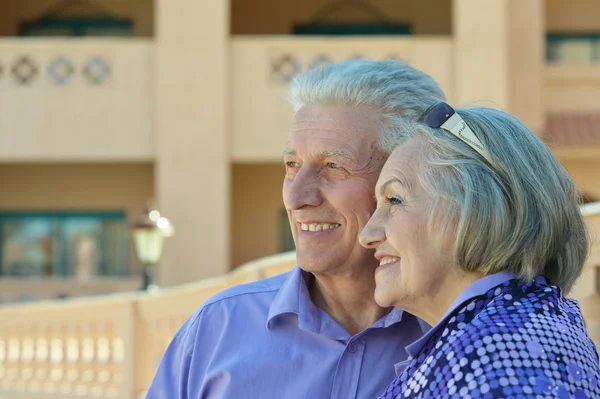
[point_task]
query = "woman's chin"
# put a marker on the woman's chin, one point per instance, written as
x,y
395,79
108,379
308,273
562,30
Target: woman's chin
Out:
x,y
383,298
387,291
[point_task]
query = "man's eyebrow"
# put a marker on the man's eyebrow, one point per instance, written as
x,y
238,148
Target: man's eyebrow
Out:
x,y
322,154
335,153
288,151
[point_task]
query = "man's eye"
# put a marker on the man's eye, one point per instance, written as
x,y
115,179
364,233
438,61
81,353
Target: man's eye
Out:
x,y
394,200
291,164
333,165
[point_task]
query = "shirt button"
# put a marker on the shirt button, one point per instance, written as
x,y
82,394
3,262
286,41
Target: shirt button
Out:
x,y
352,348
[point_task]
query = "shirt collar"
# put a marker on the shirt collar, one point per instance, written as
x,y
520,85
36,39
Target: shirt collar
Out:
x,y
294,298
477,288
288,297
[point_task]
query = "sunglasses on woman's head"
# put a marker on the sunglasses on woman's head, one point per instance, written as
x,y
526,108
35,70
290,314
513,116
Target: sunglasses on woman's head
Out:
x,y
443,116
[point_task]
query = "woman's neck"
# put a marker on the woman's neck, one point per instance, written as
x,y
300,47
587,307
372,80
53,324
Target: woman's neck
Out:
x,y
432,306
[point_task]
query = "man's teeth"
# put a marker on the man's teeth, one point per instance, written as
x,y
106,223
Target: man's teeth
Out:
x,y
318,226
388,259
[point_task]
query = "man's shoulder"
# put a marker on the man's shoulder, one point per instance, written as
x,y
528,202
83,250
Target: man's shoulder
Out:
x,y
240,302
245,292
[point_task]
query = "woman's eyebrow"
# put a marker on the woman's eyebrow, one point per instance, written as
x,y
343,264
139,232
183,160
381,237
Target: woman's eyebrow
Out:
x,y
393,180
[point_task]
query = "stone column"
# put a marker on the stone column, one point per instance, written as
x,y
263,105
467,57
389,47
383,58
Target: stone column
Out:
x,y
499,56
192,149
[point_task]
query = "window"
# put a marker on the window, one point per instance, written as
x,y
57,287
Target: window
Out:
x,y
573,48
351,29
77,18
77,27
63,244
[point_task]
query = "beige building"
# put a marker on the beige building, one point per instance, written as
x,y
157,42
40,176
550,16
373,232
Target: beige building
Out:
x,y
187,107
108,104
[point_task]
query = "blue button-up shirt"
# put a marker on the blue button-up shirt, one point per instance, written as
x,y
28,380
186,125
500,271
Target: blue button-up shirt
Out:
x,y
268,340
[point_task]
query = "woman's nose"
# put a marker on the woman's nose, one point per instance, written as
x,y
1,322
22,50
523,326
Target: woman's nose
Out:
x,y
373,233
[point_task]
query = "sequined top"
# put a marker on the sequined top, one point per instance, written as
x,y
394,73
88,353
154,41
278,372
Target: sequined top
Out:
x,y
516,341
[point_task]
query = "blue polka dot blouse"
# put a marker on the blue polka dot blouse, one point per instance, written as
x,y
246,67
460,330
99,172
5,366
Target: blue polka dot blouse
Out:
x,y
518,340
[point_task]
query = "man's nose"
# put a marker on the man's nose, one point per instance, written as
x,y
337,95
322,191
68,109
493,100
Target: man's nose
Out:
x,y
373,233
304,190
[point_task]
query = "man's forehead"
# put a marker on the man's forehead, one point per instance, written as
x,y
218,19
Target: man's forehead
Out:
x,y
343,119
322,152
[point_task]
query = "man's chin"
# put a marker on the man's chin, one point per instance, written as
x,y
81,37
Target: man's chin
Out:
x,y
326,259
314,262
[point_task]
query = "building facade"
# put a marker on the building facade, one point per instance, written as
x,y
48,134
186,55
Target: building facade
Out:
x,y
107,105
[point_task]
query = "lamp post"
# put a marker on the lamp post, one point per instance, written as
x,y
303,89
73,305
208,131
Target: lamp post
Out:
x,y
149,232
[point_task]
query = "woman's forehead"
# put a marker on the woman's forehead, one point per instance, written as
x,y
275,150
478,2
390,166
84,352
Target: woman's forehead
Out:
x,y
403,162
409,152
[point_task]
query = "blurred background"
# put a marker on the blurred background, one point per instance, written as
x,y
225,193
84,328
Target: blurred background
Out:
x,y
112,108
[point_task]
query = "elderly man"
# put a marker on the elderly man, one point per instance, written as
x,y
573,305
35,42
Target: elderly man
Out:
x,y
315,332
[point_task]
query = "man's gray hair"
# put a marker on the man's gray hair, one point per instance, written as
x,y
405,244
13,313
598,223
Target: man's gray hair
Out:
x,y
398,92
519,213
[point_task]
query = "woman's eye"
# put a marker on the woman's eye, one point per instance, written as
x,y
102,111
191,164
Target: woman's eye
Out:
x,y
394,200
333,165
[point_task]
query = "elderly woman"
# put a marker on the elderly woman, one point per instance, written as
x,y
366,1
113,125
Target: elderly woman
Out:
x,y
478,232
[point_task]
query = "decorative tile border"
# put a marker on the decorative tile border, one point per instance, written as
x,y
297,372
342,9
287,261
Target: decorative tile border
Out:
x,y
26,70
97,70
285,66
61,70
320,59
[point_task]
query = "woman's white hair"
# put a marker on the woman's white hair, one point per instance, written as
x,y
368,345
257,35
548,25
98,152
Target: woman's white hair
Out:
x,y
398,92
519,213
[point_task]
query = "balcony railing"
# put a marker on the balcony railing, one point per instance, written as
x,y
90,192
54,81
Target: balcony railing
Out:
x,y
27,289
592,215
105,347
79,99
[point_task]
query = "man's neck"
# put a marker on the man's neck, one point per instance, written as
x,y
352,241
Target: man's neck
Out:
x,y
348,300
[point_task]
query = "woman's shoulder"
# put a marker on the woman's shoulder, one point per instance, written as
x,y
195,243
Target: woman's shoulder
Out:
x,y
523,312
519,330
521,340
528,308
